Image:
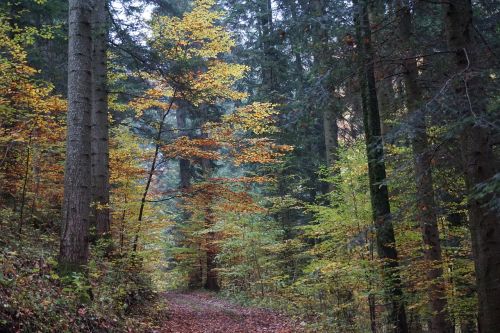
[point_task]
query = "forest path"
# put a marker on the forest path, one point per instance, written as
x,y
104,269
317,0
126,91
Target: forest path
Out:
x,y
199,312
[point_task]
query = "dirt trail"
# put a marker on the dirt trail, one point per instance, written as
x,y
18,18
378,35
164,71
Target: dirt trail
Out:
x,y
203,313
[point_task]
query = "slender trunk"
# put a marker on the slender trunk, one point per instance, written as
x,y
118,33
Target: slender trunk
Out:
x,y
212,282
77,198
481,164
122,229
426,205
386,244
99,120
25,184
146,191
184,165
151,171
36,192
373,313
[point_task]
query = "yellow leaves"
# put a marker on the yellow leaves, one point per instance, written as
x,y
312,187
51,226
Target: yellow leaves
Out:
x,y
256,118
216,82
192,36
26,105
153,99
126,155
191,46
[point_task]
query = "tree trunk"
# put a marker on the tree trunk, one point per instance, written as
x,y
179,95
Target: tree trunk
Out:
x,y
480,161
184,164
77,198
212,281
321,62
99,120
386,244
152,169
426,205
266,25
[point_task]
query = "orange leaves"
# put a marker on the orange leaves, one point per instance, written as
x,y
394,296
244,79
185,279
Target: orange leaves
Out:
x,y
244,180
220,198
231,139
261,151
193,149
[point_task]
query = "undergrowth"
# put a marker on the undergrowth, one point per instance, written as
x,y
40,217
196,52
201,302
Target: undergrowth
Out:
x,y
114,294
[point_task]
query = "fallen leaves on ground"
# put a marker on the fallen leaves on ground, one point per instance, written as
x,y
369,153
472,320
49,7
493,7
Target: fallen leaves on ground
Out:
x,y
203,313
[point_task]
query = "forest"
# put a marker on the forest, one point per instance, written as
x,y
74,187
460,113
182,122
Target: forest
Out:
x,y
250,166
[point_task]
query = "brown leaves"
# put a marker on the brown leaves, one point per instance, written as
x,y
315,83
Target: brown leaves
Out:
x,y
202,313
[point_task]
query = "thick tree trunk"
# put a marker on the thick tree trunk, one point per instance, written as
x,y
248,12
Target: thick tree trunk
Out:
x,y
426,205
386,244
77,198
99,120
480,161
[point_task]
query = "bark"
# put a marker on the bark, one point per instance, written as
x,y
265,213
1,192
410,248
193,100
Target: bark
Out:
x,y
295,40
266,25
25,184
321,63
481,164
184,165
99,120
426,205
383,71
77,198
385,239
331,133
212,281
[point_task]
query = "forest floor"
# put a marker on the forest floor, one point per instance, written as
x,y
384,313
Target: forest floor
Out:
x,y
199,312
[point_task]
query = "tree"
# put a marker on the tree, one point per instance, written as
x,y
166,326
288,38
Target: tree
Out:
x,y
386,244
426,204
99,119
480,161
77,187
321,55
